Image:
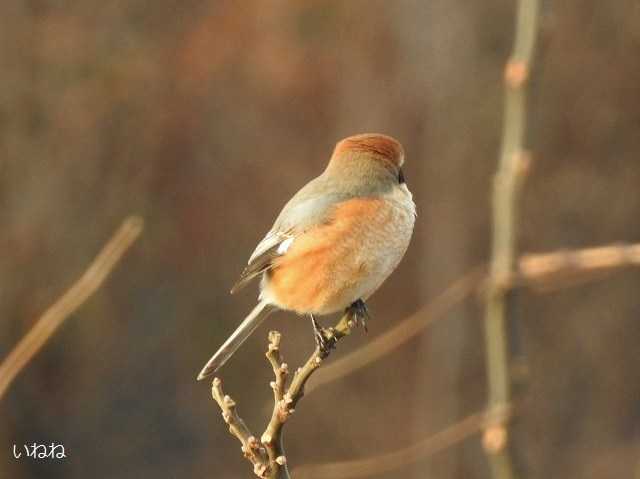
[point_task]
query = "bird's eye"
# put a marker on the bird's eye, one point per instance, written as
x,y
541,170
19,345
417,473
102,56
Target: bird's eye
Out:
x,y
400,176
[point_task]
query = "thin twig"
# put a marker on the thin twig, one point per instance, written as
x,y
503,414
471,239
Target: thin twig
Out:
x,y
541,271
512,168
395,337
267,455
533,270
548,271
382,463
68,303
251,448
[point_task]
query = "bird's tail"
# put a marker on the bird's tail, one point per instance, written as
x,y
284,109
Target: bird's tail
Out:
x,y
242,332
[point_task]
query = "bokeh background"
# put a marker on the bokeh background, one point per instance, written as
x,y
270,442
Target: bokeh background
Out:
x,y
204,117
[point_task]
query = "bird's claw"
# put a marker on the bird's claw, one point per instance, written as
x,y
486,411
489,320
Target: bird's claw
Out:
x,y
360,313
325,338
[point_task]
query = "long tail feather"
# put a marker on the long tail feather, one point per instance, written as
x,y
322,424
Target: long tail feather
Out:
x,y
239,336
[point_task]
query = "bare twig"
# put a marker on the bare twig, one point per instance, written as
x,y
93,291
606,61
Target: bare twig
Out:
x,y
382,463
267,455
533,270
251,448
547,271
513,165
403,331
542,271
53,317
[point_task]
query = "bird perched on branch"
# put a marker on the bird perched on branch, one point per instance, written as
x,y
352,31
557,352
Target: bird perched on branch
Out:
x,y
334,242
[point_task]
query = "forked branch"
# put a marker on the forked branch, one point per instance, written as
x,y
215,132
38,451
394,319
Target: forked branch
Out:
x,y
267,454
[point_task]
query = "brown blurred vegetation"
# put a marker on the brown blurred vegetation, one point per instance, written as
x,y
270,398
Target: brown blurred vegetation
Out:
x,y
204,118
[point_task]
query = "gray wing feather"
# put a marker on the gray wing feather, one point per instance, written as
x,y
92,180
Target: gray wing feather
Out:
x,y
310,206
259,262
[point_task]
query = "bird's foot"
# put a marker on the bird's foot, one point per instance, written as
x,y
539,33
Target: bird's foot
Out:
x,y
360,313
325,338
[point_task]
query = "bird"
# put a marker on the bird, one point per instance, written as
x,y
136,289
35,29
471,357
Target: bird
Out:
x,y
334,243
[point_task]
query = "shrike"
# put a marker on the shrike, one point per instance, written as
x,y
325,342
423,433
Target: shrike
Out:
x,y
334,243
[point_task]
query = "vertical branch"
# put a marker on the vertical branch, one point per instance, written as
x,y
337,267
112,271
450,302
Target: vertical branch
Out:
x,y
513,165
267,455
272,437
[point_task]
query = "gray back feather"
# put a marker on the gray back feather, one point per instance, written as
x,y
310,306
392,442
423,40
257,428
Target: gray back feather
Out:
x,y
312,205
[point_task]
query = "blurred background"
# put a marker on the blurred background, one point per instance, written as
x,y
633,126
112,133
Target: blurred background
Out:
x,y
204,117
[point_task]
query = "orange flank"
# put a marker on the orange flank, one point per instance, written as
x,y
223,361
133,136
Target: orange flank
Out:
x,y
323,265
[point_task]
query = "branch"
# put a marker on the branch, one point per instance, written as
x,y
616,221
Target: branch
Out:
x,y
382,463
534,270
546,271
400,334
540,271
251,448
267,455
513,165
68,303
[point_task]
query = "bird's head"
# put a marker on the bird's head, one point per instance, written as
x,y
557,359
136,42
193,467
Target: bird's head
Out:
x,y
372,159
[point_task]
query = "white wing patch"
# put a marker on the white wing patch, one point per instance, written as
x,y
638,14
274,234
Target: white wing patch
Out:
x,y
284,246
272,239
274,244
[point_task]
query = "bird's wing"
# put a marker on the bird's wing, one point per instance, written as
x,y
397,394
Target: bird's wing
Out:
x,y
312,205
274,244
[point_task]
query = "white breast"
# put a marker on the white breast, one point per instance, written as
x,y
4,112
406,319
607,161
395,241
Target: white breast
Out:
x,y
388,243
